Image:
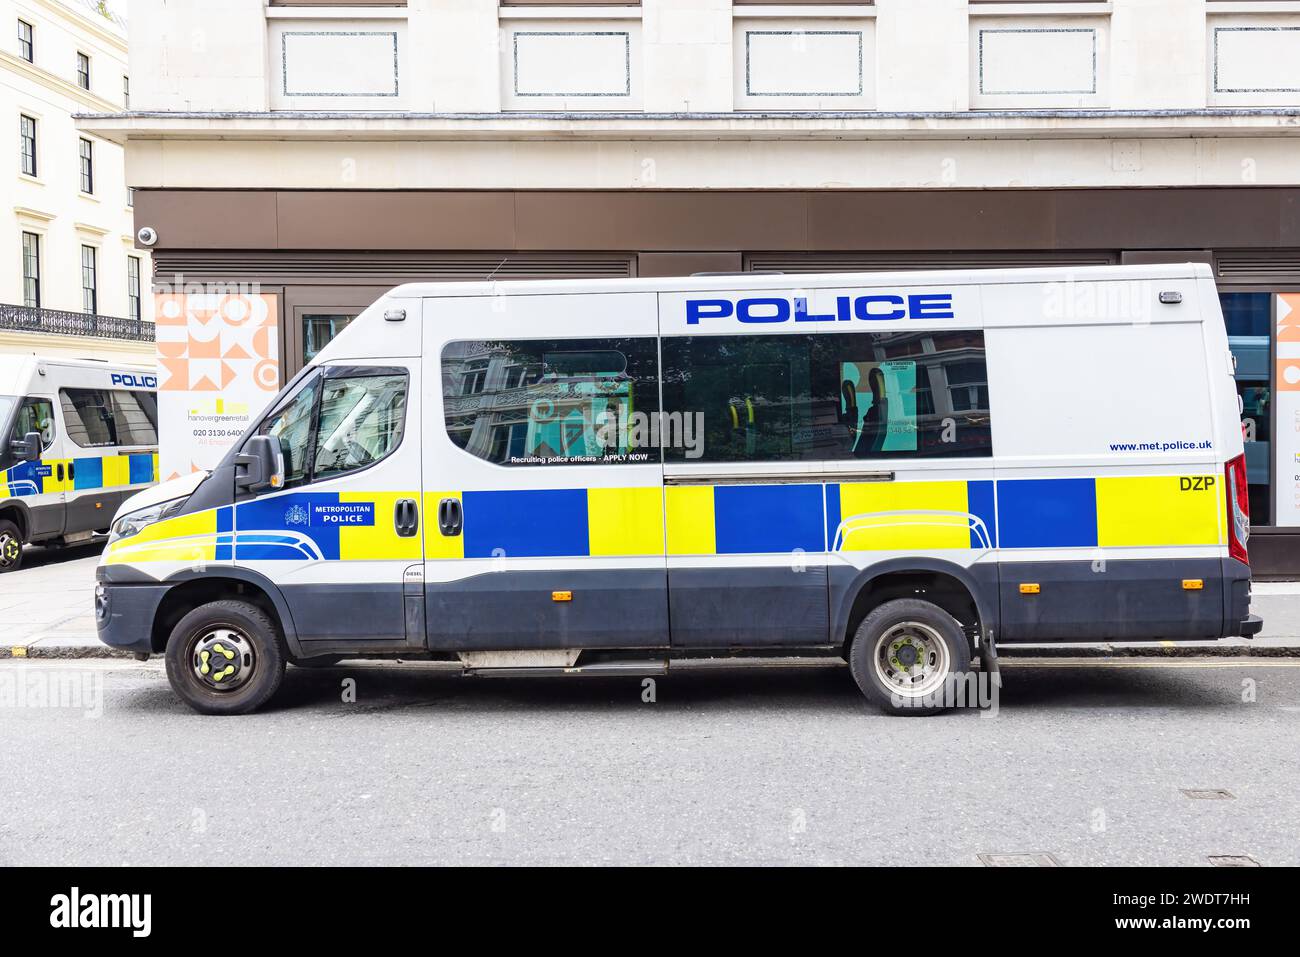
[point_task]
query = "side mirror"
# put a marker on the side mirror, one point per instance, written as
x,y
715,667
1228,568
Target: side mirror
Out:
x,y
28,448
260,465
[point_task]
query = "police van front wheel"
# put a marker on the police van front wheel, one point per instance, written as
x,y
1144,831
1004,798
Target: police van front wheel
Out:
x,y
224,658
907,655
11,546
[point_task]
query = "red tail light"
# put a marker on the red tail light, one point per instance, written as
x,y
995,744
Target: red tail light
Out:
x,y
1238,509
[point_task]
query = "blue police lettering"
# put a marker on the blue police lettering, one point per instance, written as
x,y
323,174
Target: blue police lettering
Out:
x,y
864,307
134,381
345,513
877,307
801,313
745,310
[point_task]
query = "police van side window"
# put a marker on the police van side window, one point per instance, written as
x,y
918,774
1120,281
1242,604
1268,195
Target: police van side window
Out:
x,y
829,397
104,418
338,424
360,422
553,401
291,424
35,415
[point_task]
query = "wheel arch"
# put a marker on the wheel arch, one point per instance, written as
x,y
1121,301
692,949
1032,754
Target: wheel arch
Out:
x,y
968,594
17,512
191,589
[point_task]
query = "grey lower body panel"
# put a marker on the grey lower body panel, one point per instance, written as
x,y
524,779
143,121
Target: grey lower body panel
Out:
x,y
125,619
514,610
1131,600
373,614
754,607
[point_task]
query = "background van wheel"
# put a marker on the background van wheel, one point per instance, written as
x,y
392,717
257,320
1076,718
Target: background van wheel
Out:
x,y
11,546
904,653
224,658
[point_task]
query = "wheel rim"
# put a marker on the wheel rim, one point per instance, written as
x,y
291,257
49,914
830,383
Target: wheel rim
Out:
x,y
222,659
11,549
911,659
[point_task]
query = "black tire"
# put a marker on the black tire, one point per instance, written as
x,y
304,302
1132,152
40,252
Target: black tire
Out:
x,y
257,663
11,546
319,661
929,625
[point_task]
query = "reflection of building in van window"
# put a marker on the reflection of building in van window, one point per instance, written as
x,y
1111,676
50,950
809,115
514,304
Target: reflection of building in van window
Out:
x,y
559,401
836,396
97,418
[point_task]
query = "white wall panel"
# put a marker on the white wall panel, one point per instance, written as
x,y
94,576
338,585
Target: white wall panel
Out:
x,y
1038,63
585,65
805,64
1254,60
329,65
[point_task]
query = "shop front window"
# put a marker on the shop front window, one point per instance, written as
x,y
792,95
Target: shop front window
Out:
x,y
318,329
1249,318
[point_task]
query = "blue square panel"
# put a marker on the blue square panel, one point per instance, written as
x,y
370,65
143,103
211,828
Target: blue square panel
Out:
x,y
533,523
1047,513
88,473
757,519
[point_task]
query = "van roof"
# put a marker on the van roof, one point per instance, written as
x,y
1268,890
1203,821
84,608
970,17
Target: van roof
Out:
x,y
757,281
12,366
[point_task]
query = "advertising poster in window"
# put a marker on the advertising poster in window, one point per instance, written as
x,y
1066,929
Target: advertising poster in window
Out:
x,y
1287,496
218,367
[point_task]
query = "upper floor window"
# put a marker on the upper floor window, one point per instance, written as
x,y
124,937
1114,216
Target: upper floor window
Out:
x,y
89,280
87,166
25,48
133,287
126,92
83,71
27,144
31,270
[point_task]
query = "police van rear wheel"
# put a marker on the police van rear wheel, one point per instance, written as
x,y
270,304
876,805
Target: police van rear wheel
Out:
x,y
11,546
224,658
905,656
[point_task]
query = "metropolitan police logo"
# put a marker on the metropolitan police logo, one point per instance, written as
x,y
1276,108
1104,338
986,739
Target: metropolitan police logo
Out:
x,y
295,515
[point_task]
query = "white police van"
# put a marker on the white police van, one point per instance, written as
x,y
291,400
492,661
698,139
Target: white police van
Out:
x,y
614,476
79,437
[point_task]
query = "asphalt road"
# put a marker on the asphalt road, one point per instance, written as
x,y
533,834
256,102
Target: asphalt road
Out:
x,y
1085,763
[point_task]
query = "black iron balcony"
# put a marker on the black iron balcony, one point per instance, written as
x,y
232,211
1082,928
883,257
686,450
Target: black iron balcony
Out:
x,y
56,322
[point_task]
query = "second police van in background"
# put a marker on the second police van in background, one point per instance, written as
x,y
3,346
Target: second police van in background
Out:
x,y
79,436
610,476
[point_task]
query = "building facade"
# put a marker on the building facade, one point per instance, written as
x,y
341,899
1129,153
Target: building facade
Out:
x,y
326,152
71,280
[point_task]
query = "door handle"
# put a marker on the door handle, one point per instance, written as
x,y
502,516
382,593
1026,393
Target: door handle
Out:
x,y
406,517
72,471
450,517
59,471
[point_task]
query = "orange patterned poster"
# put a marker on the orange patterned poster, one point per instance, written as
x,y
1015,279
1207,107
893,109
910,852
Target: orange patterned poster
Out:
x,y
218,367
1286,444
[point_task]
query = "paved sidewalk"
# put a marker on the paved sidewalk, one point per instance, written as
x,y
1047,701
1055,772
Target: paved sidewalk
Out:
x,y
47,607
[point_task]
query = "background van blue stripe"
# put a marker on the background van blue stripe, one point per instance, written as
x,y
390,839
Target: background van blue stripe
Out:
x,y
768,518
1047,513
141,468
526,524
89,473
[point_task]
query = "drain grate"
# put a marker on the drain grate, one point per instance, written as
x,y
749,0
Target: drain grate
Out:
x,y
1234,860
1033,859
1210,794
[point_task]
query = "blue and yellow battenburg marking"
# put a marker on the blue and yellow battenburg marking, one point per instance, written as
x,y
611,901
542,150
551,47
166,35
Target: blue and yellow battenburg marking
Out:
x,y
74,475
1107,512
